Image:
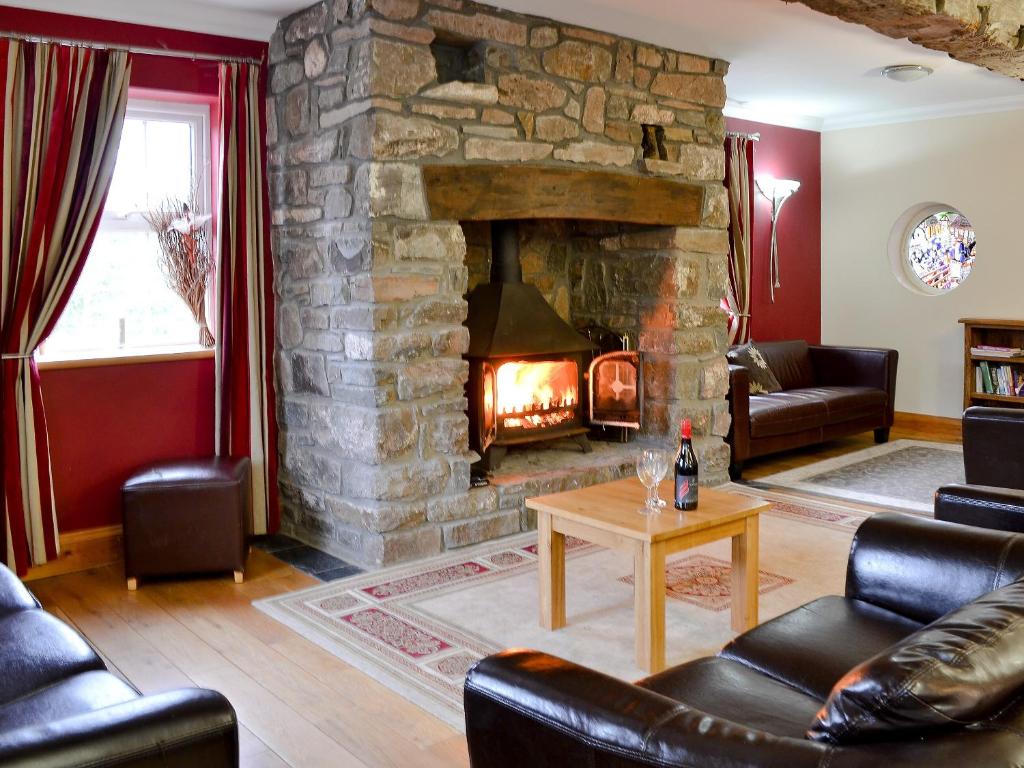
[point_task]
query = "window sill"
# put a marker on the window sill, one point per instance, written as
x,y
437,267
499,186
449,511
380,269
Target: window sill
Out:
x,y
101,358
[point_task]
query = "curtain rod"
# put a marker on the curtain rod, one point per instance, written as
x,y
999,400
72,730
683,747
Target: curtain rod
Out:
x,y
741,135
194,55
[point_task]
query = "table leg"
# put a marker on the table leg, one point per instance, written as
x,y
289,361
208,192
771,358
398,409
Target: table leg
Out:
x,y
550,573
745,577
649,605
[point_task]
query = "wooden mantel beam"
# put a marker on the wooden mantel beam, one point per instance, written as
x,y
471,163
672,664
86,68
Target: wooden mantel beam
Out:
x,y
490,192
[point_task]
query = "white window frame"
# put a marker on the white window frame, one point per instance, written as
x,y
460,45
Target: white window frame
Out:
x,y
198,116
898,247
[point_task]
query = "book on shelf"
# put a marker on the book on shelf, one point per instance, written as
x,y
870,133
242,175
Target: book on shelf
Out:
x,y
979,385
986,378
990,351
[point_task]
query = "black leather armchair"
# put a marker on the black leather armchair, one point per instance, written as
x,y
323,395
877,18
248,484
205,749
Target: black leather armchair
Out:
x,y
753,704
59,706
993,496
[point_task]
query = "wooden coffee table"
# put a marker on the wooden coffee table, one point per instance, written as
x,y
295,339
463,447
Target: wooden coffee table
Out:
x,y
606,515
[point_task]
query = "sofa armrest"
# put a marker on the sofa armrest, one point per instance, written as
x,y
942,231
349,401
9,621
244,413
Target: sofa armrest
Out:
x,y
983,506
187,728
739,409
526,708
836,366
992,437
923,568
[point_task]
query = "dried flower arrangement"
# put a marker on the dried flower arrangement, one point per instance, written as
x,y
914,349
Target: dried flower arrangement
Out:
x,y
185,257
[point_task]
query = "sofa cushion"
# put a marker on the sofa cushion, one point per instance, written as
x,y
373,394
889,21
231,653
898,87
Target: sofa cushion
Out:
x,y
37,650
762,380
790,361
961,668
72,696
734,691
849,403
784,413
813,646
13,594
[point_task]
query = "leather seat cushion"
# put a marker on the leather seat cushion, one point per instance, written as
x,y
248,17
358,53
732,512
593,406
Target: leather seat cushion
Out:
x,y
849,403
73,696
962,668
38,650
731,690
813,646
13,594
188,473
782,413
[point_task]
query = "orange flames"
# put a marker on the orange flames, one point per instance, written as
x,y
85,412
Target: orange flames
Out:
x,y
533,395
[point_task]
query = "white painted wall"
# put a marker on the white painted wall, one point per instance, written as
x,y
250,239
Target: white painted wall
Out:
x,y
870,176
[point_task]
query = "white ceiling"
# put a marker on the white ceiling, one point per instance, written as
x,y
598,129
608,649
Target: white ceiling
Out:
x,y
789,64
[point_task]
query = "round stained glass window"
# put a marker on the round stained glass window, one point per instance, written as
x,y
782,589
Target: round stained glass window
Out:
x,y
941,249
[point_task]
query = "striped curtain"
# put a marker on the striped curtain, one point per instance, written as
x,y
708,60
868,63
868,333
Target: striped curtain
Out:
x,y
60,127
245,423
739,180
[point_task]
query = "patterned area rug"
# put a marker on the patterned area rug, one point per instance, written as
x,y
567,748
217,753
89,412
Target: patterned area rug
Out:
x,y
902,475
418,628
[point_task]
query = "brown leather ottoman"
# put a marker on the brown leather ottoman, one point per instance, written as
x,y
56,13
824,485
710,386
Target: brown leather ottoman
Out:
x,y
186,516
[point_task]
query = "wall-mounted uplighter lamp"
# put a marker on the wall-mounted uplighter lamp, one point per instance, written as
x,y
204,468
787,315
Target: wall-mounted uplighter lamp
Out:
x,y
777,192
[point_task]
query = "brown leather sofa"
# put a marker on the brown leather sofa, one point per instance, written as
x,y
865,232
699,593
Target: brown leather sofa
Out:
x,y
827,392
59,706
759,701
993,496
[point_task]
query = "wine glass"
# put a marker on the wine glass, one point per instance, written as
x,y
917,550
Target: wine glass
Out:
x,y
651,466
660,469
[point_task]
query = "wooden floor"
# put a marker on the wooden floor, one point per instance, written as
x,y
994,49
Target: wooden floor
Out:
x,y
298,705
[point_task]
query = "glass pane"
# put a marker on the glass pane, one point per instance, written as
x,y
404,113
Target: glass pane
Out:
x,y
122,282
942,249
122,298
154,162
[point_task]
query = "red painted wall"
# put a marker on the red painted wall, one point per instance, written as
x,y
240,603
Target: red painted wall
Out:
x,y
104,422
107,421
787,153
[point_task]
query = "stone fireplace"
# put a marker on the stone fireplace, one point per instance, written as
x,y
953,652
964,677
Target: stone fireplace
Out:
x,y
399,132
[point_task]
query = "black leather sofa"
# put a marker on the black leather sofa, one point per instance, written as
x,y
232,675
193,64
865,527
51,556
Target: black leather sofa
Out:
x,y
780,694
993,496
827,392
59,706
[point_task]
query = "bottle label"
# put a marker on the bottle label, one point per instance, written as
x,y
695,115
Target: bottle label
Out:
x,y
686,491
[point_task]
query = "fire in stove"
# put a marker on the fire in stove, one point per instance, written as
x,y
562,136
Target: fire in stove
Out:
x,y
534,395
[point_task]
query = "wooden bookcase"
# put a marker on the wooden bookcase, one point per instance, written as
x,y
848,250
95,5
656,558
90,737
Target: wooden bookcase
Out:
x,y
1002,333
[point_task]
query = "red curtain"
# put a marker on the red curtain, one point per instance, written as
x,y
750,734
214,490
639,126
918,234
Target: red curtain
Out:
x,y
60,127
739,182
245,423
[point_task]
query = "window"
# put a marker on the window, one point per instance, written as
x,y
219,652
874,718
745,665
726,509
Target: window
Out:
x,y
122,301
932,247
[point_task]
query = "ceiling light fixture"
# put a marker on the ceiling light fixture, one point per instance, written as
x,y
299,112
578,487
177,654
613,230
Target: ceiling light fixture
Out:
x,y
906,73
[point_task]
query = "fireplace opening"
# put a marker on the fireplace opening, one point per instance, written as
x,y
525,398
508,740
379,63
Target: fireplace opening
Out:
x,y
527,365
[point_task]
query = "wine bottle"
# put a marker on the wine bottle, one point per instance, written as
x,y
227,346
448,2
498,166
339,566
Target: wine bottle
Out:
x,y
686,469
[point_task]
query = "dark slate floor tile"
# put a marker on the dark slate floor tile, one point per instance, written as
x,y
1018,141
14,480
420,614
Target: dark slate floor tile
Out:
x,y
275,542
338,573
310,560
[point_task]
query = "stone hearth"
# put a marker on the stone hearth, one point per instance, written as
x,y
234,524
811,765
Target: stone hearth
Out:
x,y
367,97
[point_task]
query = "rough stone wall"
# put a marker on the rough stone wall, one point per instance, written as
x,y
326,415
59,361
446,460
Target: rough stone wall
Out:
x,y
989,34
370,290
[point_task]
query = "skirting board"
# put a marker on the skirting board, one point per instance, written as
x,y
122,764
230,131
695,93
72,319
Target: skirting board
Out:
x,y
82,550
937,427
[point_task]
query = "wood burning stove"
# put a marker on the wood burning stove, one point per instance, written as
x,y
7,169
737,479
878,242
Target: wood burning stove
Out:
x,y
526,364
